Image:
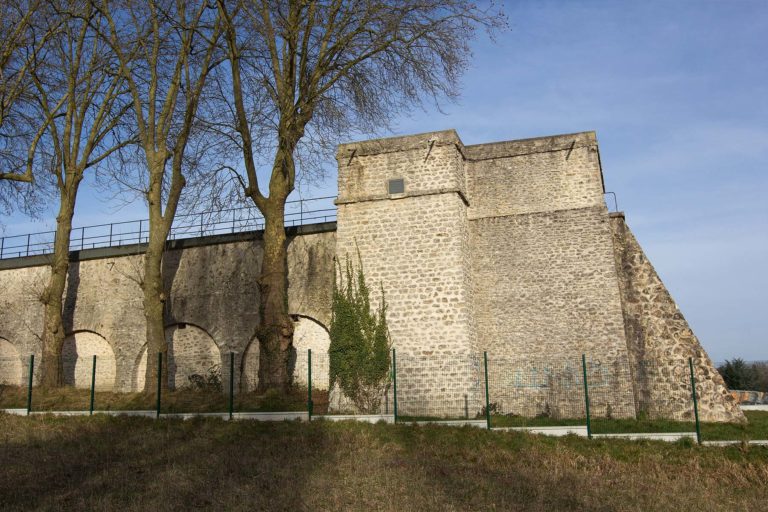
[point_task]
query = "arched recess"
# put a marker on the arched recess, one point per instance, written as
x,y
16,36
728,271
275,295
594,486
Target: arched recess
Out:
x,y
191,351
308,333
77,361
10,364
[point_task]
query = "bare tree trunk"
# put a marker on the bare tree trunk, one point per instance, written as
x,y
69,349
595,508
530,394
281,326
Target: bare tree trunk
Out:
x,y
152,284
53,323
275,333
154,306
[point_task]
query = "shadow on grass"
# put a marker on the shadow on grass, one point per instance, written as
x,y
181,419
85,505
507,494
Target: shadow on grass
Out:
x,y
132,464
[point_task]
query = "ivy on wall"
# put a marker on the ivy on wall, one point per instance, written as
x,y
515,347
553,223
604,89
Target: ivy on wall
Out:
x,y
359,350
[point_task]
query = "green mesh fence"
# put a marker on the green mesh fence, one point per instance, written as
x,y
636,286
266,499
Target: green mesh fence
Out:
x,y
624,396
535,393
440,387
640,397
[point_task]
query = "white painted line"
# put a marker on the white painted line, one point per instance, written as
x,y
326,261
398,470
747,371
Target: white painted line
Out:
x,y
579,430
652,436
365,418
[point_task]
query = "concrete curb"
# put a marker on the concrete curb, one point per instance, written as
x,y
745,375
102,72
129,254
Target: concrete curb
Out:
x,y
758,442
760,407
650,436
365,418
452,423
258,416
270,416
579,430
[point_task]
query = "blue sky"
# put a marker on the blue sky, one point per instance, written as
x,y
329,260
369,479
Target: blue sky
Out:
x,y
677,92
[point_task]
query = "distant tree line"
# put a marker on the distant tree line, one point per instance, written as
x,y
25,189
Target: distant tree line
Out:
x,y
745,376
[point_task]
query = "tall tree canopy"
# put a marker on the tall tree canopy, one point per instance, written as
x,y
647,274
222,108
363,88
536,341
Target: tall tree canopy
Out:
x,y
304,73
165,50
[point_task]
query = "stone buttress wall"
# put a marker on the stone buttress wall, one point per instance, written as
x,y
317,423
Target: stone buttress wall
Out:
x,y
211,291
415,246
660,342
545,285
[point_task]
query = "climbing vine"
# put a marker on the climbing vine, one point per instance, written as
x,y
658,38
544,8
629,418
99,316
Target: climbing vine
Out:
x,y
360,346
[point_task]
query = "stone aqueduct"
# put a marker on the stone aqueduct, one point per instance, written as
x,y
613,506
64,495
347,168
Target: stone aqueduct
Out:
x,y
505,247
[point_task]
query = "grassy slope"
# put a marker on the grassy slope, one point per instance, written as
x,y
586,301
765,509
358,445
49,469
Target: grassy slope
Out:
x,y
129,464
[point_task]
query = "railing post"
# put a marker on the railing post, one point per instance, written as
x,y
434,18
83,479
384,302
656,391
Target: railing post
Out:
x,y
93,384
309,384
301,212
231,384
110,235
487,398
695,401
394,383
82,237
140,222
201,224
233,223
586,394
28,243
159,380
29,387
2,244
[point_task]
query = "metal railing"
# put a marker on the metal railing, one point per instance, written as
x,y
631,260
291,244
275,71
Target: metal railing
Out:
x,y
192,225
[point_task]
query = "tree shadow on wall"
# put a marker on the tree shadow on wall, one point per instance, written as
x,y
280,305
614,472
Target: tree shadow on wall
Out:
x,y
68,318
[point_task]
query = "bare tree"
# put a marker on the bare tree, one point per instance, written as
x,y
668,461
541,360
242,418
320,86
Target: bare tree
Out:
x,y
322,69
21,126
82,105
165,51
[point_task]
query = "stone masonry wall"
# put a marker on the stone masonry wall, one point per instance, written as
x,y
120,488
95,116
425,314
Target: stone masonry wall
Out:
x,y
415,246
657,333
505,247
545,293
545,286
534,175
210,287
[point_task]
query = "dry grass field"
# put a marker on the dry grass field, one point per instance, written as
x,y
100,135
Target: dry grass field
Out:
x,y
131,464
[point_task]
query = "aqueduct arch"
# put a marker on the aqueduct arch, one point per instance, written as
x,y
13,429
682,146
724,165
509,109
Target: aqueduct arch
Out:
x,y
308,334
77,361
10,364
191,351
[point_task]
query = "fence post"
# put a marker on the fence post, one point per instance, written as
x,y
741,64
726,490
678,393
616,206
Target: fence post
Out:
x,y
586,394
140,222
159,380
82,237
93,384
695,401
110,235
394,383
28,244
29,388
231,384
487,398
2,245
310,405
